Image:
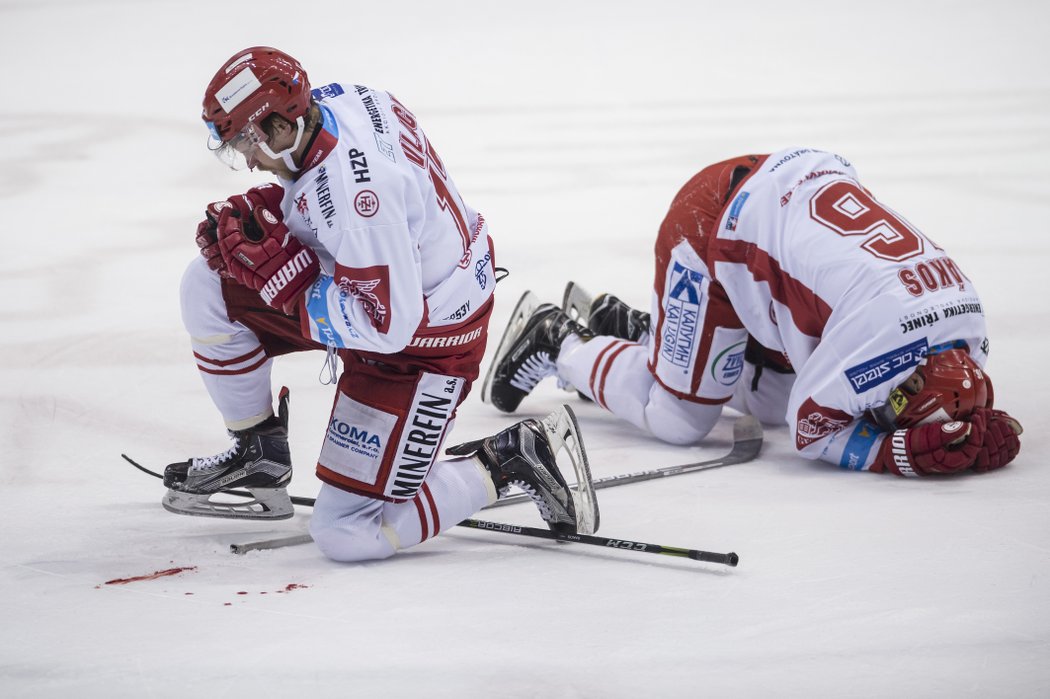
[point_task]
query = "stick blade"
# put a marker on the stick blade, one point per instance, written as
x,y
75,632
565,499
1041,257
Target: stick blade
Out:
x,y
747,439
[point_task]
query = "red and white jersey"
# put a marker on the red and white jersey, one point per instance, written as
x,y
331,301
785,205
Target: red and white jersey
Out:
x,y
817,268
402,255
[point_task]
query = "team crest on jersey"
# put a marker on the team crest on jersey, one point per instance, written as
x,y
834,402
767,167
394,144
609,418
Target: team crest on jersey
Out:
x,y
366,203
681,315
816,422
369,287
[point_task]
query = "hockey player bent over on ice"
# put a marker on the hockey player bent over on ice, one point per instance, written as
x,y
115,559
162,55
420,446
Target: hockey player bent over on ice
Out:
x,y
785,289
365,250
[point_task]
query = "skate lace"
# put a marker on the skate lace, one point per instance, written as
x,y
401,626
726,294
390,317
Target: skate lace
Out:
x,y
541,504
533,370
209,462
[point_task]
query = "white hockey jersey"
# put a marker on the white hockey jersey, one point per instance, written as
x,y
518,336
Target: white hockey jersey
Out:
x,y
401,253
851,292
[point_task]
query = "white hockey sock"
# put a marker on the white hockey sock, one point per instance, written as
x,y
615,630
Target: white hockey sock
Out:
x,y
611,372
615,374
232,362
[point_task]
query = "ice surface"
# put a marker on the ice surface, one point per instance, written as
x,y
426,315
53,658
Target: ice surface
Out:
x,y
570,125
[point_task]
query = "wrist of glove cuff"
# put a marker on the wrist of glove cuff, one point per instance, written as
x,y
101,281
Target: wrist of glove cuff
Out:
x,y
936,448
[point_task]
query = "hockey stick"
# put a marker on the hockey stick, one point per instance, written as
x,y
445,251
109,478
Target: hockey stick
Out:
x,y
747,442
729,559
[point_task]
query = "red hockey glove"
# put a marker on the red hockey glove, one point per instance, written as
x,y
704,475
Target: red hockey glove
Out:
x,y
207,230
936,448
1001,444
208,238
261,253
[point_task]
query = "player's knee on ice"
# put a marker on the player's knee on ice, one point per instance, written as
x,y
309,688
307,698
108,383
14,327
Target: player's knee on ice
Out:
x,y
767,398
676,421
349,528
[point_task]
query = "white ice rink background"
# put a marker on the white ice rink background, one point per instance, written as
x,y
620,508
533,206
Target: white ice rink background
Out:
x,y
570,125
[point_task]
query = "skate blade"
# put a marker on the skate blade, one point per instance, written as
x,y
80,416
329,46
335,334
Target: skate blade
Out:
x,y
268,503
527,305
576,303
564,431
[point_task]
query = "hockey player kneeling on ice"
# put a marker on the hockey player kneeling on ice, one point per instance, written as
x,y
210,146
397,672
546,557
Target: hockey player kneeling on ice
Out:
x,y
786,290
365,250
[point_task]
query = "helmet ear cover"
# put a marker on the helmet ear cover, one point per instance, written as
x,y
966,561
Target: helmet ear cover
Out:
x,y
945,386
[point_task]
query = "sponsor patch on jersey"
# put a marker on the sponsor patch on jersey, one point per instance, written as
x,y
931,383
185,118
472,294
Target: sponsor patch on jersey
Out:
x,y
385,148
356,439
326,91
858,446
432,407
729,364
303,208
681,315
317,312
323,191
481,269
734,210
884,367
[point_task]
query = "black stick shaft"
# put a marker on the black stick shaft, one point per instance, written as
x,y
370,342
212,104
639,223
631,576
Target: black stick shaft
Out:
x,y
729,559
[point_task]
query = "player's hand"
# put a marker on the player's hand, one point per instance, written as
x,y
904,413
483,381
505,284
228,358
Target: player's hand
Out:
x,y
935,448
207,230
1001,443
208,237
261,253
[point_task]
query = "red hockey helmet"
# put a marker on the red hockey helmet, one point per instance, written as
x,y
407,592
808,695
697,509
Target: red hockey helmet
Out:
x,y
945,386
253,84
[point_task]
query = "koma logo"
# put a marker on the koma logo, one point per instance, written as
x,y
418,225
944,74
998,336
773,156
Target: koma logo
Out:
x,y
355,436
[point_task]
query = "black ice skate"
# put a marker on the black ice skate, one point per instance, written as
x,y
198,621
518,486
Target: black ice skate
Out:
x,y
527,352
605,315
525,456
258,461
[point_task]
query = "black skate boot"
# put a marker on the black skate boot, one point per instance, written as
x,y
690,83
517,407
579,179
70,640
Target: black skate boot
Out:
x,y
525,455
605,315
258,461
611,316
527,352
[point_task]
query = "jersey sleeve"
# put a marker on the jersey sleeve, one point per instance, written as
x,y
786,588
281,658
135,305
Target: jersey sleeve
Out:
x,y
371,302
371,296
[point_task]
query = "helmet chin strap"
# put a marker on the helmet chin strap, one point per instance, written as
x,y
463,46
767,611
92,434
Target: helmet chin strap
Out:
x,y
286,154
